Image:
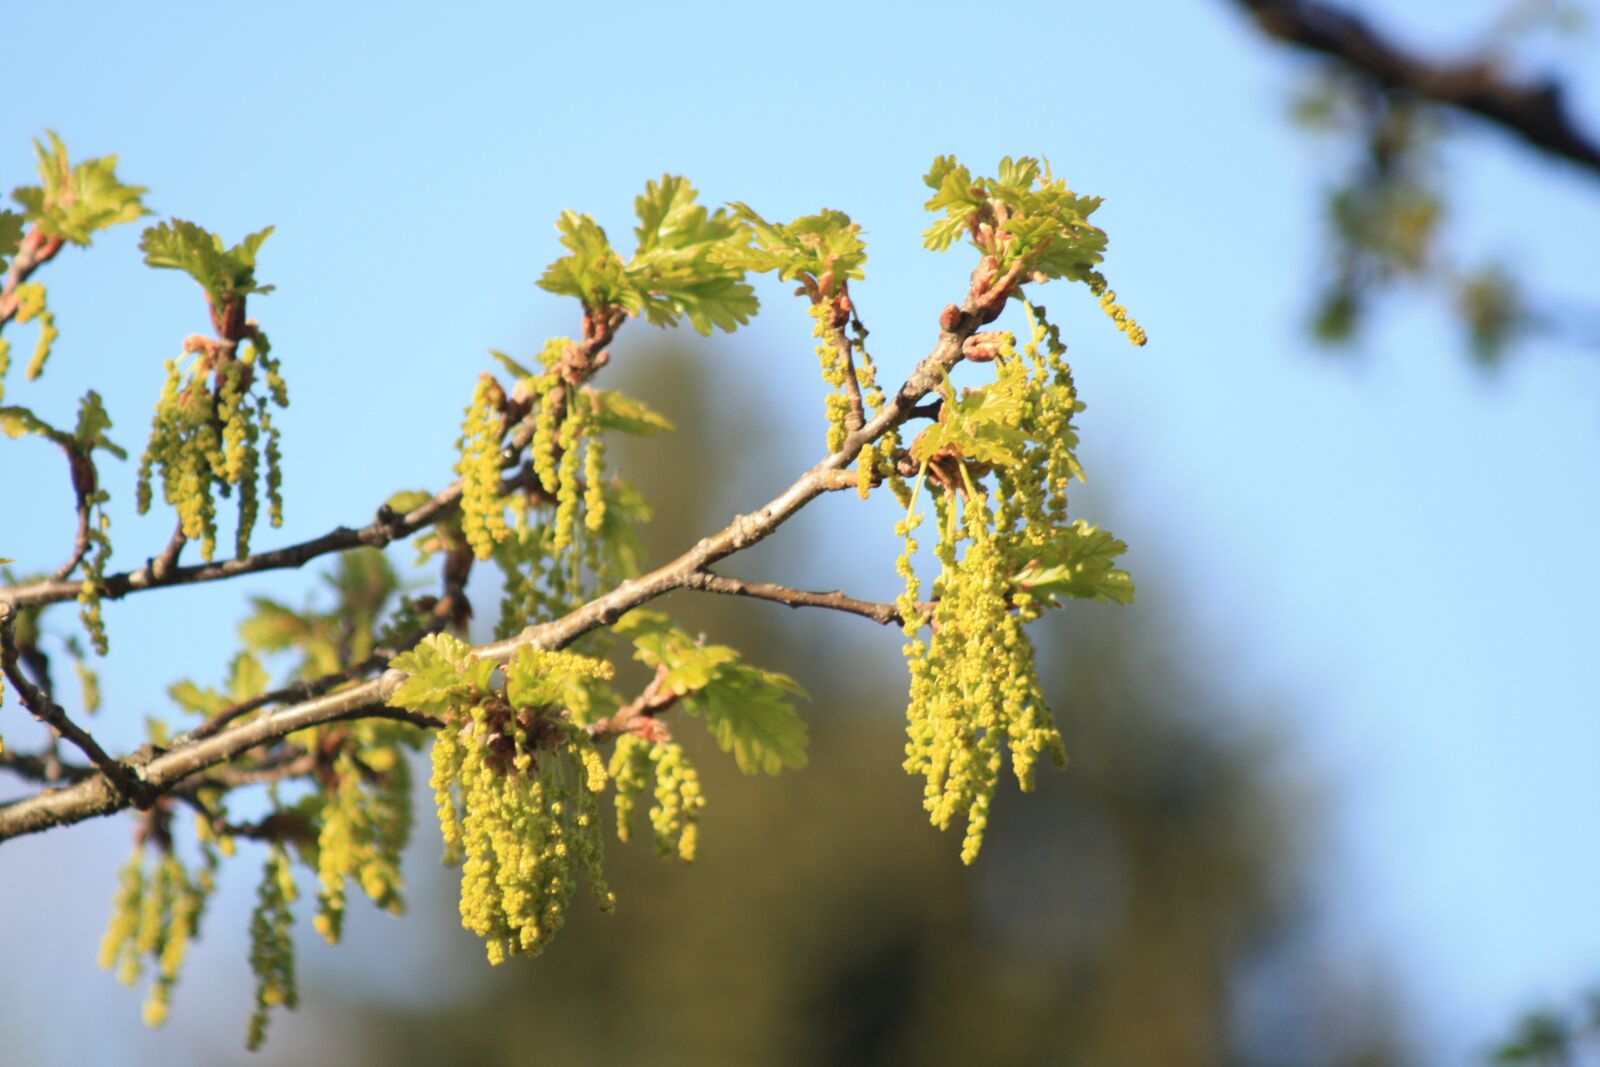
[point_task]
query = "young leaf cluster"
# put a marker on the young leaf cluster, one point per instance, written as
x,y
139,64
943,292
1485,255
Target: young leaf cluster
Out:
x,y
228,275
1027,223
685,264
213,426
73,201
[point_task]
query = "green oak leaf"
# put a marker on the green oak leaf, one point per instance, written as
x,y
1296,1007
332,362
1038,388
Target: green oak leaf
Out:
x,y
982,426
812,245
93,422
684,265
226,274
437,673
1078,564
624,414
592,271
749,711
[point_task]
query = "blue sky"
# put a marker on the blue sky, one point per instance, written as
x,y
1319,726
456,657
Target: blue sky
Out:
x,y
1399,546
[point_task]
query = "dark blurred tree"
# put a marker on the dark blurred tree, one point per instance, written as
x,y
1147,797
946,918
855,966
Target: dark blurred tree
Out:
x,y
1393,106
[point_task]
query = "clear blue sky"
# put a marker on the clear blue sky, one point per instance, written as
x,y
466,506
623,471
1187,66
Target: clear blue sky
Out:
x,y
1396,545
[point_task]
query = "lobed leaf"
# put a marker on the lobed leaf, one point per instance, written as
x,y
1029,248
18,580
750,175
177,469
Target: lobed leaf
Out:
x,y
749,711
624,414
436,673
224,273
812,245
1079,564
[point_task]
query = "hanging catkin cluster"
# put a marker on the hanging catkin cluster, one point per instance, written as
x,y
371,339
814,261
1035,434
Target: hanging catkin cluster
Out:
x,y
30,305
155,916
974,688
271,945
366,822
483,518
516,782
975,694
212,430
636,763
553,537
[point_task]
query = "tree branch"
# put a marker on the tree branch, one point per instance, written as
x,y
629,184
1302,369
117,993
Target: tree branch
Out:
x,y
162,772
42,769
381,531
1534,112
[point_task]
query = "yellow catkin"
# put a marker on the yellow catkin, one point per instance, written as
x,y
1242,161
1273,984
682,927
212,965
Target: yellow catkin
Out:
x,y
517,785
483,519
974,694
205,441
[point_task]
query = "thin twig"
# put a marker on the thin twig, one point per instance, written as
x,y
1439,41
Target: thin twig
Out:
x,y
35,251
880,613
83,490
52,714
303,690
639,713
162,566
41,768
857,414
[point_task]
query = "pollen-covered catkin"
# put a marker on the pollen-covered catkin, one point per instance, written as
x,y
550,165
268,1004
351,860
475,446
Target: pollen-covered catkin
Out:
x,y
974,694
271,946
206,439
1115,311
517,782
675,815
483,518
594,490
154,918
366,822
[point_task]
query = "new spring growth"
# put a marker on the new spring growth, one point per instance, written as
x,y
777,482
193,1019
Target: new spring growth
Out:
x,y
483,518
516,774
516,784
212,425
1001,458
